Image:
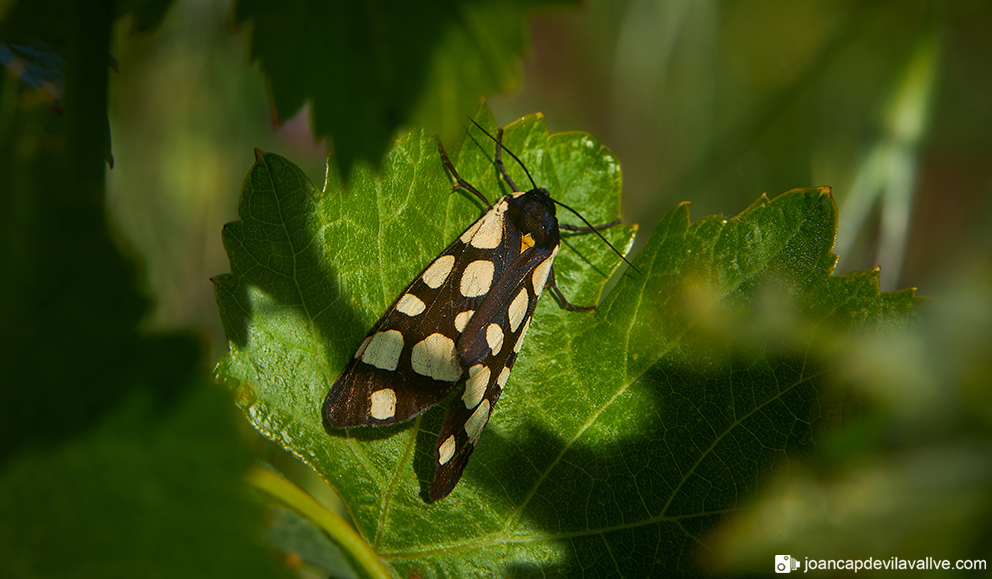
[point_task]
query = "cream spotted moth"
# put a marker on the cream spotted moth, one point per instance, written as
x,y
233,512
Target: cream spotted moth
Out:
x,y
459,324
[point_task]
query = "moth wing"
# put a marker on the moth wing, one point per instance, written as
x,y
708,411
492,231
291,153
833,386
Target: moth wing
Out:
x,y
515,294
364,396
509,307
408,362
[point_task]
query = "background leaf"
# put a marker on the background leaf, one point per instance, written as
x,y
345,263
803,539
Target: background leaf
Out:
x,y
368,70
624,434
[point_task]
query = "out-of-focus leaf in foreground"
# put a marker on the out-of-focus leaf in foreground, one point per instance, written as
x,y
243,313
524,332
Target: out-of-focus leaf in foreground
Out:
x,y
141,495
116,460
368,69
623,435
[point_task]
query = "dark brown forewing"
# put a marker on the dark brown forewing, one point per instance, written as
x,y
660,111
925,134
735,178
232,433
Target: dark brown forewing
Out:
x,y
461,410
349,402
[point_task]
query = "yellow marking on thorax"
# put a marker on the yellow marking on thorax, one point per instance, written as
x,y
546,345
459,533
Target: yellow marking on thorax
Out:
x,y
526,242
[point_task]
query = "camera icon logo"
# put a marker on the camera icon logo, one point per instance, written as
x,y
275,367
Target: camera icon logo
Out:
x,y
785,564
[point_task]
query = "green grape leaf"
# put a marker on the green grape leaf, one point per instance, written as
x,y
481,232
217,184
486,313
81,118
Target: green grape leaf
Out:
x,y
369,69
623,434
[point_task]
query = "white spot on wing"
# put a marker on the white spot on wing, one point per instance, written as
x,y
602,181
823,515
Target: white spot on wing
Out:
x,y
541,273
470,232
384,350
518,307
475,388
487,232
438,271
446,450
365,344
461,320
477,278
494,337
435,357
476,422
504,375
383,404
520,339
410,305
490,232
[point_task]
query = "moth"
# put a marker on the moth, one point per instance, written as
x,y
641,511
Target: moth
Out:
x,y
459,325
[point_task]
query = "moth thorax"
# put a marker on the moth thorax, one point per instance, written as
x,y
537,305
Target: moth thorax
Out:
x,y
534,213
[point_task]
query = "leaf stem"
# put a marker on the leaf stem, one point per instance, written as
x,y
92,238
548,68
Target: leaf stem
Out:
x,y
363,558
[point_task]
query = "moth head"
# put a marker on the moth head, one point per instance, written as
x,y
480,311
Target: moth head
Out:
x,y
534,213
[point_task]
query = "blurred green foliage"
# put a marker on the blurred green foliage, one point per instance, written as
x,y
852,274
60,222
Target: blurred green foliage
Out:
x,y
888,101
716,102
142,493
118,457
370,69
910,477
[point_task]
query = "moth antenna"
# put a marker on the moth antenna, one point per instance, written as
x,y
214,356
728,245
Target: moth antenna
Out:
x,y
509,152
577,214
596,231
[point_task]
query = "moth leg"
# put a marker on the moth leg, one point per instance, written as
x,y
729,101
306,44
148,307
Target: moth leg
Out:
x,y
499,161
459,182
553,286
568,227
